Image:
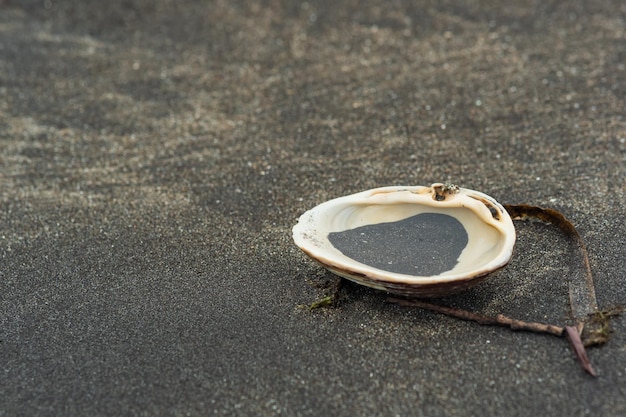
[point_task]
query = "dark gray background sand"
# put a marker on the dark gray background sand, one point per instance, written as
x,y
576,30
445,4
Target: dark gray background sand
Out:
x,y
155,155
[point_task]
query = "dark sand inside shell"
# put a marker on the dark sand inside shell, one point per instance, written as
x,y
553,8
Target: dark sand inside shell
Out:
x,y
425,244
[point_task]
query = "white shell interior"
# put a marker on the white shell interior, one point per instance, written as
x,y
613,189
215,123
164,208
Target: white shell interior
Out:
x,y
490,238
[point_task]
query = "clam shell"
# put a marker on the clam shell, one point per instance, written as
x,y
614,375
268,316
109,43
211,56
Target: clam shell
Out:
x,y
409,240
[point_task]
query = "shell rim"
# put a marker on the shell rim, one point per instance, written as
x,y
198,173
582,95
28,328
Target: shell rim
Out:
x,y
506,231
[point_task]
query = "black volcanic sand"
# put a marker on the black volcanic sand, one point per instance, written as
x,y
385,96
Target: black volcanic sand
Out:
x,y
154,156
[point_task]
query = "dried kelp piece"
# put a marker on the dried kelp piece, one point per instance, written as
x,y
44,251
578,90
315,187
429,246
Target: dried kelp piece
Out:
x,y
592,327
592,324
573,336
582,291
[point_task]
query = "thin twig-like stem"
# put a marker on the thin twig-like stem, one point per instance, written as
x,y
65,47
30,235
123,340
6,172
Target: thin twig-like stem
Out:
x,y
498,320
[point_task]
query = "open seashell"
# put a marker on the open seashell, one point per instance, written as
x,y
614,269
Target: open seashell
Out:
x,y
417,241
